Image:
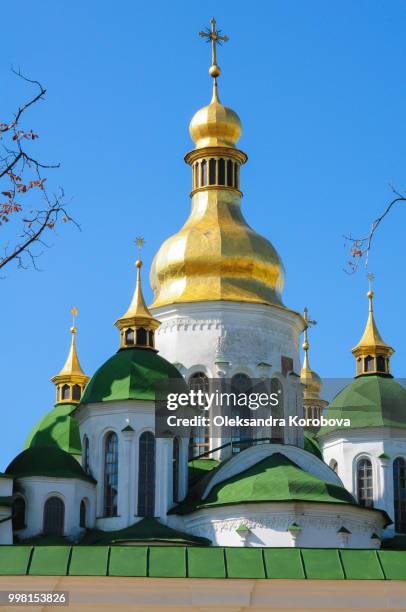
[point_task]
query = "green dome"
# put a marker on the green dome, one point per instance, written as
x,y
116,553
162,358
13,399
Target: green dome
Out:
x,y
369,401
46,461
274,479
58,428
129,374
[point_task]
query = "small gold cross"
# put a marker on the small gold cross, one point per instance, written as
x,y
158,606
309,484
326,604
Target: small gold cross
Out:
x,y
306,318
74,313
370,278
215,38
140,241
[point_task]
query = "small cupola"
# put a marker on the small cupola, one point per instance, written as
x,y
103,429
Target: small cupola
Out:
x,y
71,380
372,354
137,326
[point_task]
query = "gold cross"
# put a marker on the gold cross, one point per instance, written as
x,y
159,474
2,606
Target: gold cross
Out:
x,y
74,313
140,241
370,278
215,38
306,318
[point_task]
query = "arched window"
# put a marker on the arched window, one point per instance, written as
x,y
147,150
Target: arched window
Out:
x,y
82,522
142,336
359,365
204,173
151,338
54,516
381,363
65,392
369,364
76,392
197,175
230,173
236,176
129,336
240,386
175,469
212,172
399,491
146,475
200,436
365,483
110,474
221,172
86,455
18,513
277,410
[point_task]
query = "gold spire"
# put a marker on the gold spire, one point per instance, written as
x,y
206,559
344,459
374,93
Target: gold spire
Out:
x,y
216,255
71,380
313,404
372,353
137,326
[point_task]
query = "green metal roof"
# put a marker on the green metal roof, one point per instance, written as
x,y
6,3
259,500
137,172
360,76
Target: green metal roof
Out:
x,y
198,562
274,479
129,374
369,401
47,461
146,530
57,428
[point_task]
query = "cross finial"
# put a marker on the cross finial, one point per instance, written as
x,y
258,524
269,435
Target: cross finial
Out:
x,y
370,278
74,313
140,241
216,38
308,321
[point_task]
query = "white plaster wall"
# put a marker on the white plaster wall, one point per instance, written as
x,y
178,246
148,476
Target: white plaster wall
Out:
x,y
223,338
96,421
37,489
348,447
6,529
269,522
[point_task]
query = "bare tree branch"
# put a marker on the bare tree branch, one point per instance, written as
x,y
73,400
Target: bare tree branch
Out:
x,y
361,247
21,174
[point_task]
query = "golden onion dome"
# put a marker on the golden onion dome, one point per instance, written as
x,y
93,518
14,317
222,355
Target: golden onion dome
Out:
x,y
310,380
215,125
216,255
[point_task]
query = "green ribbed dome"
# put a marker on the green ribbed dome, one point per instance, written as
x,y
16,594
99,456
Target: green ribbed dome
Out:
x,y
369,401
47,461
129,374
274,479
57,428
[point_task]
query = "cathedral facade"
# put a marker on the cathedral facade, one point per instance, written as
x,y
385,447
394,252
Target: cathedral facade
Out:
x,y
93,469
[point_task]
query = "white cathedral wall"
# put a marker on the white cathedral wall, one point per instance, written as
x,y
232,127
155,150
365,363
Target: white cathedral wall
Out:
x,y
95,422
223,338
348,447
37,489
6,530
268,524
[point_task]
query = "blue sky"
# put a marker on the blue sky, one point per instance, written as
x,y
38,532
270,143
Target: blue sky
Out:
x,y
320,89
